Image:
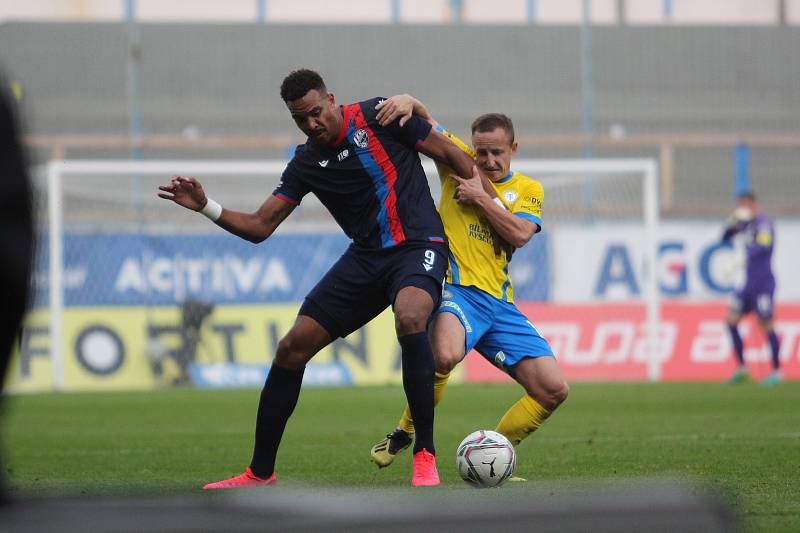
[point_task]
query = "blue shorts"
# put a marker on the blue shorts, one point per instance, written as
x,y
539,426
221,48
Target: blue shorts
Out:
x,y
362,283
759,301
496,329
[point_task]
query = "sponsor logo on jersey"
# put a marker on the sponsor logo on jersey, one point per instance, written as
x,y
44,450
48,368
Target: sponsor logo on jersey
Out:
x,y
341,156
535,201
360,138
323,163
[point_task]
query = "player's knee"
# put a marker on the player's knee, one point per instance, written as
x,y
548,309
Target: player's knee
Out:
x,y
553,395
410,320
290,354
444,362
559,394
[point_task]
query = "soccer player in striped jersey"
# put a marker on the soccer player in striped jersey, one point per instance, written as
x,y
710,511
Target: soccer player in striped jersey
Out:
x,y
370,178
477,308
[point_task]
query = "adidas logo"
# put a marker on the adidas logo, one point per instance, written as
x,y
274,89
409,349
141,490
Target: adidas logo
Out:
x,y
323,163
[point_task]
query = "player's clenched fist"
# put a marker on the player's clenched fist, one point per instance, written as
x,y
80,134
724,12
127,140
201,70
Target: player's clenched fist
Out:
x,y
187,192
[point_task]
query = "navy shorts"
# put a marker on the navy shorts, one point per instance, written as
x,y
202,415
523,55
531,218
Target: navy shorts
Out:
x,y
362,283
754,300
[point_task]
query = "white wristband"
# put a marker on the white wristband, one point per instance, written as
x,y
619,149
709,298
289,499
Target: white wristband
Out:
x,y
212,209
499,202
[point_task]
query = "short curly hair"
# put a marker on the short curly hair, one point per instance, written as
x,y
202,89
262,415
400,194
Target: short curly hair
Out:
x,y
299,82
491,121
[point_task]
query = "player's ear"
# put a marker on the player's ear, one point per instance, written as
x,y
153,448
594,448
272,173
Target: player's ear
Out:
x,y
331,99
514,147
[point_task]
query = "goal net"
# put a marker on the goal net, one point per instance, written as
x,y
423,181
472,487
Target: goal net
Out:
x,y
132,291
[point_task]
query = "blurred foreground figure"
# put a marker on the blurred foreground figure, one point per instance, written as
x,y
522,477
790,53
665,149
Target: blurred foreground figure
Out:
x,y
16,234
757,293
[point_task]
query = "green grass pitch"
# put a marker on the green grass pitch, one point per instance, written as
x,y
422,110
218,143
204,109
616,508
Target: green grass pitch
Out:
x,y
743,440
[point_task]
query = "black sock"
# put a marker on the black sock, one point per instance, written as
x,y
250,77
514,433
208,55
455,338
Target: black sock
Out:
x,y
278,399
775,349
418,372
738,345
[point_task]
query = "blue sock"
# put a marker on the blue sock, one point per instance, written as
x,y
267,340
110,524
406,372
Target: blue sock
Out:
x,y
738,345
775,346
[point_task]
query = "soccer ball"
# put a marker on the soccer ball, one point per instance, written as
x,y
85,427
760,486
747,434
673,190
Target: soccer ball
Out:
x,y
485,459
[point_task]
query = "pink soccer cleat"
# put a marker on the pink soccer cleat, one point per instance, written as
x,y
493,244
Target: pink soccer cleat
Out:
x,y
425,473
246,480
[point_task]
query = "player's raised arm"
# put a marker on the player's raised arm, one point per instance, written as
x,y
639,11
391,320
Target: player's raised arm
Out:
x,y
254,227
440,148
736,222
436,146
402,107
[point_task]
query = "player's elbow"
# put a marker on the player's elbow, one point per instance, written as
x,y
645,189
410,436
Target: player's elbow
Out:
x,y
518,242
255,236
256,239
524,234
520,239
258,230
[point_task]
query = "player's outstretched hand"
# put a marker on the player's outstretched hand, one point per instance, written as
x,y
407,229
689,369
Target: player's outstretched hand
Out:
x,y
184,191
398,106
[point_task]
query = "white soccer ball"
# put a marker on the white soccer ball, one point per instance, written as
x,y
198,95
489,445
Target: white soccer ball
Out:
x,y
485,459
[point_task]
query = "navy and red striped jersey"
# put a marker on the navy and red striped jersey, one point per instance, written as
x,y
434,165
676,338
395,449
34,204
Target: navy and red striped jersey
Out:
x,y
370,179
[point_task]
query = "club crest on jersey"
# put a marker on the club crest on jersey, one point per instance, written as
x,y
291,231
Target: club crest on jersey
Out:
x,y
341,156
323,163
510,196
360,138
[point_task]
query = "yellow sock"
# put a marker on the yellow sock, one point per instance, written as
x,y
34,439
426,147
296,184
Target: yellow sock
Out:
x,y
439,384
522,419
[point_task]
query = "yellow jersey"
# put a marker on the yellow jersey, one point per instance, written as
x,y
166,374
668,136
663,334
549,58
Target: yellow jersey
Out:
x,y
472,258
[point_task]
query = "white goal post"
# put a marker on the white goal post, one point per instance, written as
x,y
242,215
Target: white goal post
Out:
x,y
58,174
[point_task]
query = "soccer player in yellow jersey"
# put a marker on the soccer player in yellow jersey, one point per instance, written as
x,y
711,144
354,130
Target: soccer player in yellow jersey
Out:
x,y
477,309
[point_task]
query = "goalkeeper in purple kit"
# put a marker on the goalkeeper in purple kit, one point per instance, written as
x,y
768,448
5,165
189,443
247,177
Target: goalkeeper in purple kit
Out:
x,y
757,293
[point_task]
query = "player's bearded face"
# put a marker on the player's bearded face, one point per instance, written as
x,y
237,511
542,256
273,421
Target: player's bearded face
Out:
x,y
493,150
317,116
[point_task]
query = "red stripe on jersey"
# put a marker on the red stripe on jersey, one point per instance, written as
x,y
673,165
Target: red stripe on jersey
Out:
x,y
389,171
347,113
286,199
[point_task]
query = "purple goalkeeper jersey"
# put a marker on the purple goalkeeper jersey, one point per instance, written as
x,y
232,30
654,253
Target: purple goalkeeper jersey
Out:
x,y
759,240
